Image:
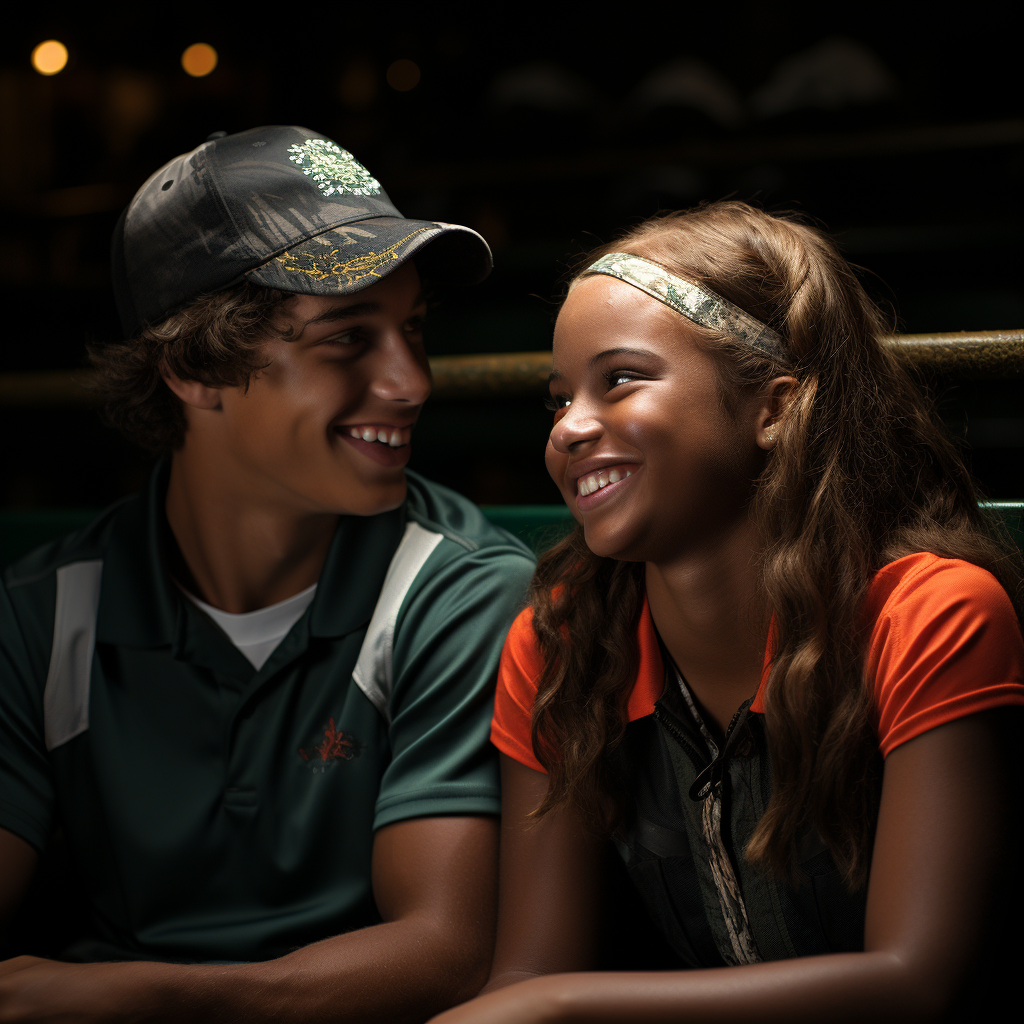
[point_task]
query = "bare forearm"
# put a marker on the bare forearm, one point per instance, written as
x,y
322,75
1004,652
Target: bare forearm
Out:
x,y
836,987
402,970
399,971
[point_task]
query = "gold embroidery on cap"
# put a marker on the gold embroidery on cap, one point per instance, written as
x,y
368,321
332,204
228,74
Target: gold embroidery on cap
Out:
x,y
348,272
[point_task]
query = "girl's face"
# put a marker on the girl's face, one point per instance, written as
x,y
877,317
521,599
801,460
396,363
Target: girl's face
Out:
x,y
646,454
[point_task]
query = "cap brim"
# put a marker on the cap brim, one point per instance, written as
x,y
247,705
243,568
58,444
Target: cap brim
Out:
x,y
354,256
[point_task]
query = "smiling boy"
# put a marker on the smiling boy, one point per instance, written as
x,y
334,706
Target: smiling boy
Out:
x,y
255,700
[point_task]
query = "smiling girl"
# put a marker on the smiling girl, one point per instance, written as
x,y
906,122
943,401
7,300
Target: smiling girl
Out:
x,y
776,663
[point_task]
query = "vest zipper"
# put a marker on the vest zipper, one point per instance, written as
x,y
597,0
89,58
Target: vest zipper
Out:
x,y
697,757
712,771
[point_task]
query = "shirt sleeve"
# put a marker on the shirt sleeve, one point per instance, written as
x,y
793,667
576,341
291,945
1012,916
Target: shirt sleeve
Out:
x,y
26,784
521,666
946,643
448,643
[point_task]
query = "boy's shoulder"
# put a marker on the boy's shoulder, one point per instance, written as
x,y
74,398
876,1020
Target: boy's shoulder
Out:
x,y
89,543
439,509
57,586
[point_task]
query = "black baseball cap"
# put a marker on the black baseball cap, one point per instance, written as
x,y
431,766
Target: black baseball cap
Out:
x,y
280,206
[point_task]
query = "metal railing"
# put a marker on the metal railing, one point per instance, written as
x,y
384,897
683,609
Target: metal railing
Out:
x,y
968,355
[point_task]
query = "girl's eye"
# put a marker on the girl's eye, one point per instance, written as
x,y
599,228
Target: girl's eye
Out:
x,y
617,377
555,403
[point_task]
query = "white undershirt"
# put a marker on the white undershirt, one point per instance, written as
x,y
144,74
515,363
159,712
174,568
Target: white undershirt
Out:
x,y
257,633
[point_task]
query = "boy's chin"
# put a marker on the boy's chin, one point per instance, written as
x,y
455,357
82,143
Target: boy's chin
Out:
x,y
374,504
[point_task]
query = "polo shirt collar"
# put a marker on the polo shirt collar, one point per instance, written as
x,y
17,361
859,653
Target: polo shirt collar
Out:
x,y
354,570
650,678
140,605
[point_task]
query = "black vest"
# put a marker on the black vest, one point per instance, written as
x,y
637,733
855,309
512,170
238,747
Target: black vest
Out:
x,y
668,771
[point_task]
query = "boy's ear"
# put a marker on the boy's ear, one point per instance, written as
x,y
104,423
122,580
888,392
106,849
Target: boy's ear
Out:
x,y
778,395
191,392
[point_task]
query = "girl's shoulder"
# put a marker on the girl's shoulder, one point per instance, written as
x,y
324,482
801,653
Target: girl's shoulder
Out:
x,y
924,576
522,662
924,595
944,642
519,673
522,656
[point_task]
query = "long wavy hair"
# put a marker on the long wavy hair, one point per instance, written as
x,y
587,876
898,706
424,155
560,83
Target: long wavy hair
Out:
x,y
861,474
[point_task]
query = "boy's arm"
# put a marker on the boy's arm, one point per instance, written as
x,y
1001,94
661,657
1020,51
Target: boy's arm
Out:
x,y
434,880
17,865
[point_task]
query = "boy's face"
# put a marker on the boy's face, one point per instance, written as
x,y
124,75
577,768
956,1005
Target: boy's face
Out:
x,y
327,426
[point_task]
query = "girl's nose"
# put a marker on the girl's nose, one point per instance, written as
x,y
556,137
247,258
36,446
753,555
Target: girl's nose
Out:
x,y
576,426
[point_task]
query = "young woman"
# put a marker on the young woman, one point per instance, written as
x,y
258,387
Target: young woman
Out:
x,y
776,663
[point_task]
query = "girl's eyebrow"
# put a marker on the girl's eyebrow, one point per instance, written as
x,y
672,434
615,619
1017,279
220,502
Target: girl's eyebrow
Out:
x,y
619,351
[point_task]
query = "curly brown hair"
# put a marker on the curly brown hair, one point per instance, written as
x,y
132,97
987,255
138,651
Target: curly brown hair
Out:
x,y
214,340
862,474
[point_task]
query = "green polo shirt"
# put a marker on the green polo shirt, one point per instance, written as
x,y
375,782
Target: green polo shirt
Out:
x,y
217,812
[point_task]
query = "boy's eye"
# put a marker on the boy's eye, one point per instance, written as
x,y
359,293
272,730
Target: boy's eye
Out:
x,y
348,338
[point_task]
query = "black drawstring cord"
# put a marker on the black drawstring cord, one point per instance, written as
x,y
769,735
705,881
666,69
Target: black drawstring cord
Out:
x,y
712,774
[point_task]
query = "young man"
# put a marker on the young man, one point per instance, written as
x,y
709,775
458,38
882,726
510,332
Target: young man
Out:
x,y
255,700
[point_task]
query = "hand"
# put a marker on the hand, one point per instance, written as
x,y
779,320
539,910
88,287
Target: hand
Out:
x,y
50,992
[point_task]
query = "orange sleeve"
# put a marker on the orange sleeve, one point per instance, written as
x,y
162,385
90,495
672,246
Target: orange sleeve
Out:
x,y
946,643
518,673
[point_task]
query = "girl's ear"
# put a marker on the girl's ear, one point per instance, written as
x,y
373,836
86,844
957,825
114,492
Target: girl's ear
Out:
x,y
191,392
777,396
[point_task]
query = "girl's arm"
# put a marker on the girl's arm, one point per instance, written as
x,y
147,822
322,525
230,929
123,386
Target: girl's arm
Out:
x,y
550,874
939,853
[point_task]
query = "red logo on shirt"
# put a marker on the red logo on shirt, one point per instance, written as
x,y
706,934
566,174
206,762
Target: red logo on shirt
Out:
x,y
335,746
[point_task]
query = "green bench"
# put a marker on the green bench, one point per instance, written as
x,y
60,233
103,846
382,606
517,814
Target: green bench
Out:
x,y
537,525
22,530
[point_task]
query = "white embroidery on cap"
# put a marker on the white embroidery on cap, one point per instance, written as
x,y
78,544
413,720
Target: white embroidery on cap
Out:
x,y
335,170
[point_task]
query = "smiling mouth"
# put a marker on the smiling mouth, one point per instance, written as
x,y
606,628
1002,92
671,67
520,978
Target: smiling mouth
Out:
x,y
393,437
593,482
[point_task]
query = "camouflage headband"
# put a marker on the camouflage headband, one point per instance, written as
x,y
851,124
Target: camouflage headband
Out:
x,y
699,304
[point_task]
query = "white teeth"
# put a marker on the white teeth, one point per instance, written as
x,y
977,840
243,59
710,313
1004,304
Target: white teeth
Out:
x,y
391,436
595,481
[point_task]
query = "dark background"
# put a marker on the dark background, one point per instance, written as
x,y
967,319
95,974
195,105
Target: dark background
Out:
x,y
549,129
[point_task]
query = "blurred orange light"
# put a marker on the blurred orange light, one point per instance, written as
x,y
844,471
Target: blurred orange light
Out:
x,y
199,59
50,57
403,75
